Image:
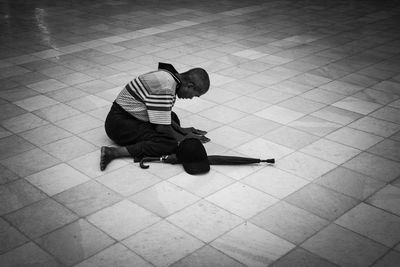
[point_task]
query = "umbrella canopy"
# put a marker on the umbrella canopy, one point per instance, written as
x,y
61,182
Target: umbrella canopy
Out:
x,y
213,160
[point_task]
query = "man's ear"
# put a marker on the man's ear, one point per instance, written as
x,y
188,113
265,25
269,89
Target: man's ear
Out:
x,y
190,85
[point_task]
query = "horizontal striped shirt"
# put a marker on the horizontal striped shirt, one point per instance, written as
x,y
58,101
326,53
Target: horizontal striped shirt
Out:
x,y
150,97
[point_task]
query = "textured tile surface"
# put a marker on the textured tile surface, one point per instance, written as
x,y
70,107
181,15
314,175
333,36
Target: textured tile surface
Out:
x,y
313,84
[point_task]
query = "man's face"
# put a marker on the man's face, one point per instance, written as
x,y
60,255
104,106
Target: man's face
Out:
x,y
187,92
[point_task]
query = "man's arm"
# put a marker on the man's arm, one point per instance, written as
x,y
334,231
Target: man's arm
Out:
x,y
169,130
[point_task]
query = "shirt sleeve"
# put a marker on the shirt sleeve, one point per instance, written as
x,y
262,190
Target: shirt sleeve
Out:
x,y
159,101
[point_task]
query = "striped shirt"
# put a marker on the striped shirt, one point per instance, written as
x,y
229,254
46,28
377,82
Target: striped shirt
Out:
x,y
151,96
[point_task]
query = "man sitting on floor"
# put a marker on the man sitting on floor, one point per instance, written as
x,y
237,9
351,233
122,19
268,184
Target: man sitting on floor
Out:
x,y
141,120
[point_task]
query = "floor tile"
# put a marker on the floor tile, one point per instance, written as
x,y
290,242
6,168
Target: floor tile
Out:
x,y
342,247
28,254
75,242
375,126
40,218
336,115
373,223
321,201
275,182
201,185
314,125
279,114
241,200
354,138
47,86
18,194
204,220
10,237
290,137
374,166
254,125
302,258
301,104
116,255
229,137
69,148
387,198
13,145
162,244
350,183
122,219
88,103
36,102
264,149
357,105
128,180
56,112
390,260
6,175
45,134
164,199
79,123
247,104
23,123
388,114
389,149
305,166
289,222
222,114
330,151
87,198
207,256
252,245
57,179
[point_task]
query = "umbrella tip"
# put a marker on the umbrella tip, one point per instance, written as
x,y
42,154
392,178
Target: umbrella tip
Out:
x,y
272,161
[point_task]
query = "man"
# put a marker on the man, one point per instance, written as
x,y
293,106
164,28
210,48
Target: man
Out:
x,y
141,120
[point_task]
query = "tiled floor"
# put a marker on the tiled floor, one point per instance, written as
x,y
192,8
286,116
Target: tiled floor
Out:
x,y
314,84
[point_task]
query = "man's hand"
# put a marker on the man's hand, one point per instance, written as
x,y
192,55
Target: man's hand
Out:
x,y
193,130
202,138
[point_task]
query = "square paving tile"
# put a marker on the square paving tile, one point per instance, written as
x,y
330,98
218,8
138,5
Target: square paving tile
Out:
x,y
289,222
30,162
302,258
330,151
252,245
28,255
343,247
373,223
321,201
387,198
376,167
128,180
40,218
275,182
242,200
57,179
9,237
162,244
74,242
116,255
207,256
205,220
87,198
305,166
69,148
122,219
18,194
164,198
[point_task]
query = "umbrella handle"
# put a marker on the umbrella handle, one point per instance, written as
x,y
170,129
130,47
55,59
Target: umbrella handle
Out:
x,y
148,159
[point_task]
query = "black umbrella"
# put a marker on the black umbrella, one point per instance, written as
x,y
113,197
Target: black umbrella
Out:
x,y
213,160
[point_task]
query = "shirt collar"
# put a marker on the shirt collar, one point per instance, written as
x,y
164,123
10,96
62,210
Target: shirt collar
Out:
x,y
170,69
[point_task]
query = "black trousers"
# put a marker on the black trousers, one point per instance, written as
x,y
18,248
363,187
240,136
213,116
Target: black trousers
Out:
x,y
139,137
